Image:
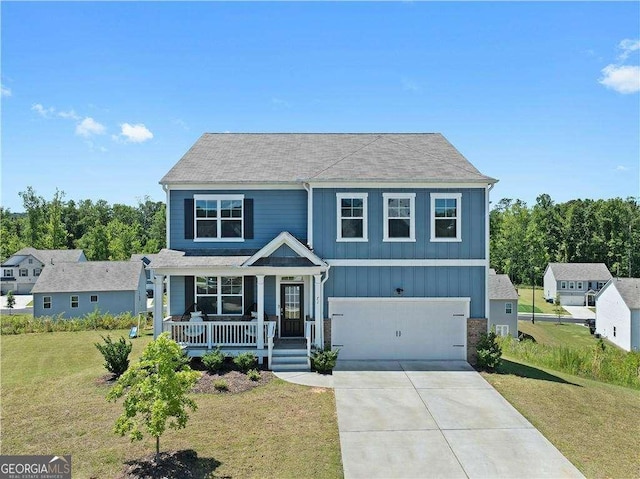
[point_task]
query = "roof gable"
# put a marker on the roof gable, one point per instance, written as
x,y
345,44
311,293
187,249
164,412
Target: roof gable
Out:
x,y
322,157
53,256
289,252
501,287
628,288
580,271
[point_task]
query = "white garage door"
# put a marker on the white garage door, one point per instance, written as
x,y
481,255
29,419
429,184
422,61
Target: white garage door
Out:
x,y
399,328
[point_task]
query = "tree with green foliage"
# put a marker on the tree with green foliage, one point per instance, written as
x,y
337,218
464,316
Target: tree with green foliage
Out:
x,y
557,307
155,389
11,301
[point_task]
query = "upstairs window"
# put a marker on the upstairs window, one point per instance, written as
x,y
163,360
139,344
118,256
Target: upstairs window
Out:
x,y
37,271
399,216
580,285
352,216
508,308
218,218
24,272
563,285
445,217
7,273
94,298
572,285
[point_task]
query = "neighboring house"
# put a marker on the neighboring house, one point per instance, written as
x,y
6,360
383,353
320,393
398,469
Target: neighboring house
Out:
x,y
146,260
503,310
21,271
577,283
75,289
618,312
375,244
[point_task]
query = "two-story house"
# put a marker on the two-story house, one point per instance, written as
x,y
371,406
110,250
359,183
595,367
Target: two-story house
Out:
x,y
576,283
376,244
21,271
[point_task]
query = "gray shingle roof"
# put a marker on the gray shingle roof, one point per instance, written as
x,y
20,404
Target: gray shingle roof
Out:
x,y
168,258
89,276
580,271
629,289
322,157
52,256
501,287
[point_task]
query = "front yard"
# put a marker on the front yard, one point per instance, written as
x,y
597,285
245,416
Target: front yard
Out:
x,y
525,302
53,403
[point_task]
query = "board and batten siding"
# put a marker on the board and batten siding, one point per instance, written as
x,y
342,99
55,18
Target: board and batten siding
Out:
x,y
274,211
472,245
416,282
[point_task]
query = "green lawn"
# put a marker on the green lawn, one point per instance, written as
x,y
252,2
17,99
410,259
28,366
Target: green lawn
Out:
x,y
594,424
558,334
53,403
525,302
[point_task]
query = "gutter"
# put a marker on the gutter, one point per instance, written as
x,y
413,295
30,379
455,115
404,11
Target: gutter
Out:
x,y
309,190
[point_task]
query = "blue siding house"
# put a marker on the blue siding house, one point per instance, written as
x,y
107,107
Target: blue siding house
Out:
x,y
376,244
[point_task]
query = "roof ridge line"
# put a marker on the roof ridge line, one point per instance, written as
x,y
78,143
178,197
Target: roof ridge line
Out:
x,y
377,137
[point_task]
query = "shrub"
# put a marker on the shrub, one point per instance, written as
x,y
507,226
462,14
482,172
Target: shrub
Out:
x,y
324,360
245,361
116,354
253,374
489,351
220,385
213,360
26,323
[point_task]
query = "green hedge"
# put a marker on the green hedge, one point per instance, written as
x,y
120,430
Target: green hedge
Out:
x,y
601,362
24,323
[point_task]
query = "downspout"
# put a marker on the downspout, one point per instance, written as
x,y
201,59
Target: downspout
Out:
x,y
309,190
487,301
326,277
166,215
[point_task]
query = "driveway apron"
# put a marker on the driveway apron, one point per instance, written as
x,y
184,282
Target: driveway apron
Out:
x,y
419,419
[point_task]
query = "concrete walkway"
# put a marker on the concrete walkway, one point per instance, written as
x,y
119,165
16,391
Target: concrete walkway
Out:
x,y
435,419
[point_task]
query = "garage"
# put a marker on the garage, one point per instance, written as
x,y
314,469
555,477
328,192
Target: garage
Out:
x,y
399,328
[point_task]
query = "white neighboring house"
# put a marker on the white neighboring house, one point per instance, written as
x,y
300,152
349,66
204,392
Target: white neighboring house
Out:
x,y
503,308
21,271
618,312
577,283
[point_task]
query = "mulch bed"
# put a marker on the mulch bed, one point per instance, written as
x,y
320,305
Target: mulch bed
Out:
x,y
237,382
170,465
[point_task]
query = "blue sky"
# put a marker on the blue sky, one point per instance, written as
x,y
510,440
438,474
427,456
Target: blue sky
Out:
x,y
101,99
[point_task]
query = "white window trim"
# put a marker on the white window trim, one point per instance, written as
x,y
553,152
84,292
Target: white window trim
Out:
x,y
563,285
502,330
45,300
572,285
77,301
458,217
579,285
365,213
218,220
25,271
508,308
8,273
91,298
412,219
37,271
219,294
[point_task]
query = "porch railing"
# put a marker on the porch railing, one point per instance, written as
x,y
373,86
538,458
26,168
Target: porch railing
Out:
x,y
310,336
210,334
271,333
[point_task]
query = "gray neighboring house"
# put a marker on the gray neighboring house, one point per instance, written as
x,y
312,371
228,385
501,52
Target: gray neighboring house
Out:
x,y
618,312
75,289
577,283
22,270
503,307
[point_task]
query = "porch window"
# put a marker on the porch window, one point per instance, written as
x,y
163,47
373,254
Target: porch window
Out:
x,y
46,302
399,216
75,300
445,217
218,218
217,295
352,216
24,272
508,308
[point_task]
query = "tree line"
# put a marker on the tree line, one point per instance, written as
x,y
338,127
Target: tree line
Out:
x,y
525,239
103,231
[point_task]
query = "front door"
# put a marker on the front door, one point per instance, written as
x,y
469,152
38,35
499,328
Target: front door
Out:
x,y
291,310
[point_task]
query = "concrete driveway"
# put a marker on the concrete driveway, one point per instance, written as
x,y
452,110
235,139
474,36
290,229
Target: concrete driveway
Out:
x,y
419,419
580,312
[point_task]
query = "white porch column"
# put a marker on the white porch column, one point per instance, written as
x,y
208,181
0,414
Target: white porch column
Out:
x,y
260,282
318,313
158,310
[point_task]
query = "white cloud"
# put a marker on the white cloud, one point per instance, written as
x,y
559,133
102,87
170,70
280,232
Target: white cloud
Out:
x,y
5,91
42,111
621,168
621,78
628,46
135,133
69,115
410,85
280,103
89,127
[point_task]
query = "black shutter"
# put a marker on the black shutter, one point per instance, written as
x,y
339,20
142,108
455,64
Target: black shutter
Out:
x,y
248,218
249,297
189,293
188,218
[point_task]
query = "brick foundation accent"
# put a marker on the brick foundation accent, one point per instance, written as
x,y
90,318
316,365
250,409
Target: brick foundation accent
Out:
x,y
327,334
475,327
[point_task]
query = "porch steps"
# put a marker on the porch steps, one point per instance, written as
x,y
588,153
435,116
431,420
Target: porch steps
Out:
x,y
289,360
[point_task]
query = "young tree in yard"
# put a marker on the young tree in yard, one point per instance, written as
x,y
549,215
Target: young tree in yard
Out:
x,y
155,389
557,307
11,301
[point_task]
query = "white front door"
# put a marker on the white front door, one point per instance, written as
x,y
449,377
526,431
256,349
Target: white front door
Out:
x,y
399,328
